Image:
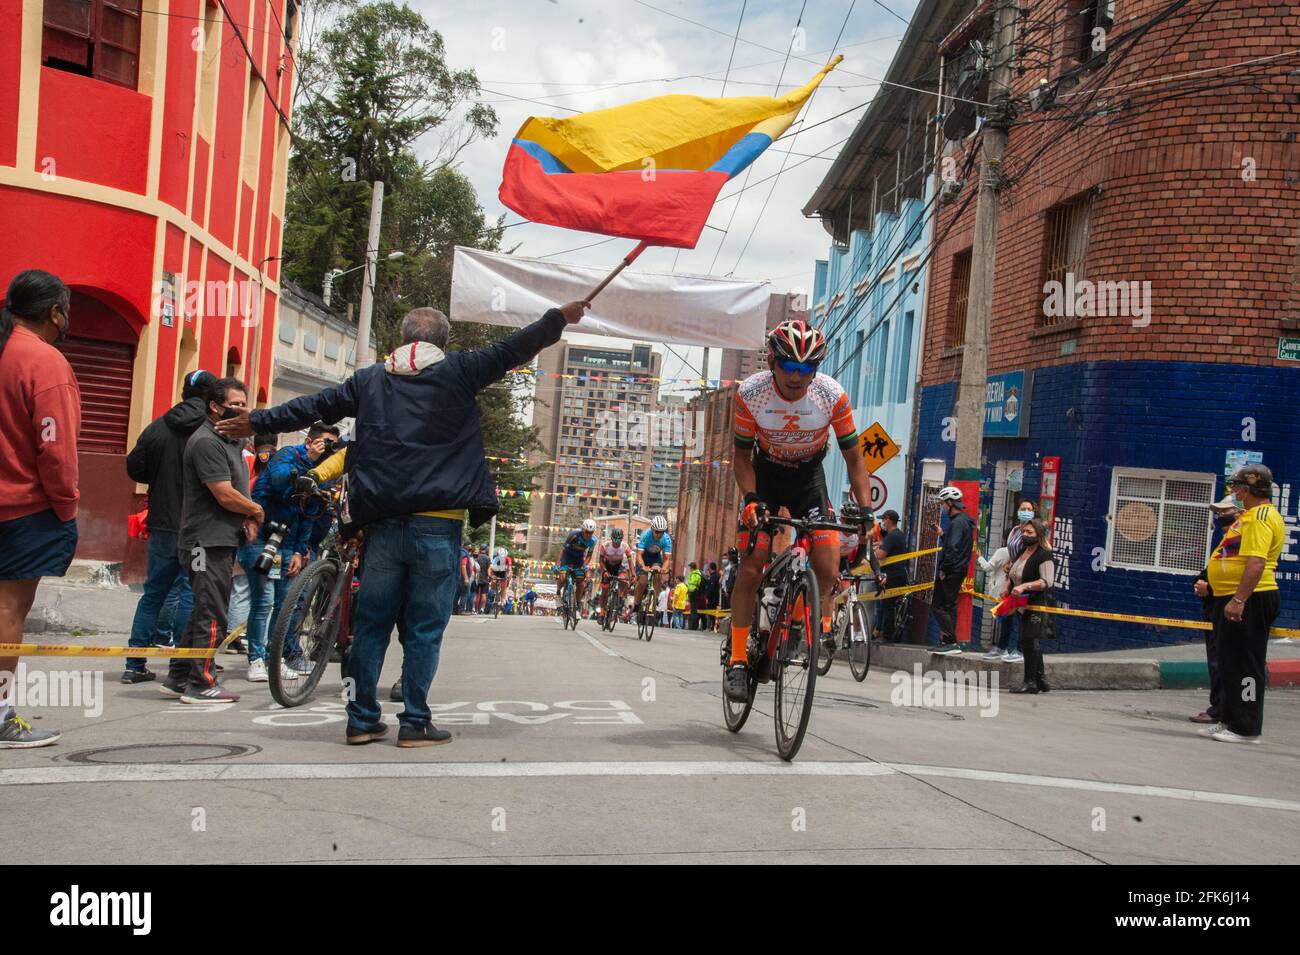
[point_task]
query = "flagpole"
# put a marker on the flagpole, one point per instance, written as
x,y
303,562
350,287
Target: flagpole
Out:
x,y
627,260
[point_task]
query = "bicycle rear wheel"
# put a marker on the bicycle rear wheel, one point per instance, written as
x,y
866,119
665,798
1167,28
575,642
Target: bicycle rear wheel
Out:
x,y
310,615
651,617
859,634
794,671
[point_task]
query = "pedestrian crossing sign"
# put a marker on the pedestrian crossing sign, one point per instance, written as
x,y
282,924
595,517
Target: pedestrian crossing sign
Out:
x,y
877,447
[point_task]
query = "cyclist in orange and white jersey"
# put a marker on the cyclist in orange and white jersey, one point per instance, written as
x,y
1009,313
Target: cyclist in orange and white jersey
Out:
x,y
783,422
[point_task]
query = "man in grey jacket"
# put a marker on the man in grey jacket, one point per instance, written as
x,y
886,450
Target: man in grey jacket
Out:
x,y
954,559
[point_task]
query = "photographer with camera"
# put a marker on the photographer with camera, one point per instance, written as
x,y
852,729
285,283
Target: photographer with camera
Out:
x,y
279,552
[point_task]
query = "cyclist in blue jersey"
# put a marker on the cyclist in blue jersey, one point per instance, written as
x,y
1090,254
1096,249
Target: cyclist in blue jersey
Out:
x,y
655,544
577,552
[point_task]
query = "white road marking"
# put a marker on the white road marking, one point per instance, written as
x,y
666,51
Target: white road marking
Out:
x,y
597,644
209,772
199,772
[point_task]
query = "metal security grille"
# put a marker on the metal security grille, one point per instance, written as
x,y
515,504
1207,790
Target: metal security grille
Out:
x,y
959,298
925,567
104,371
1066,249
1160,521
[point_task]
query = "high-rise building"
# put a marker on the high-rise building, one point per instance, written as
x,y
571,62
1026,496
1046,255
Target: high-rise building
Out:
x,y
596,418
669,434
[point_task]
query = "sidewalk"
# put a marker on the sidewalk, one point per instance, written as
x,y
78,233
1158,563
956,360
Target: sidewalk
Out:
x,y
1176,666
106,611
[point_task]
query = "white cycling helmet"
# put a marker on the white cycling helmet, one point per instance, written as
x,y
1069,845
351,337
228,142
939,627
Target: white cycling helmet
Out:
x,y
589,526
501,552
950,494
659,524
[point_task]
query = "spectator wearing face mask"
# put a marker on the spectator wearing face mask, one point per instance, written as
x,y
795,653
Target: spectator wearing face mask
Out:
x,y
1246,602
1226,514
1026,511
1031,575
40,416
1006,647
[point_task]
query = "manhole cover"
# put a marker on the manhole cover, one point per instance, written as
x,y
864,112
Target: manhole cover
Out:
x,y
162,753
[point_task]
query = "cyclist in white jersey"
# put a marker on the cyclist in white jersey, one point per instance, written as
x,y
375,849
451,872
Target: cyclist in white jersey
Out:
x,y
615,557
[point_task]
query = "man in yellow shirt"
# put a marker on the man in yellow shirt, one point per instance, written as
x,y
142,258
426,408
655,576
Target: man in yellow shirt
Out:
x,y
1246,602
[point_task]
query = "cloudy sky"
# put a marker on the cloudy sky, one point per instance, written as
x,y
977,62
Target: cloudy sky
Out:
x,y
569,56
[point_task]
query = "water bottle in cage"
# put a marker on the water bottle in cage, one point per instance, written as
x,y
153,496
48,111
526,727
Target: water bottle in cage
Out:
x,y
769,602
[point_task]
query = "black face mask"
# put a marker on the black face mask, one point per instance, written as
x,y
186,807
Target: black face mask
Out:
x,y
1226,520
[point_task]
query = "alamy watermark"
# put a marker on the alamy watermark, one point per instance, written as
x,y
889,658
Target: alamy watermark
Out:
x,y
952,689
1083,298
640,429
28,688
240,298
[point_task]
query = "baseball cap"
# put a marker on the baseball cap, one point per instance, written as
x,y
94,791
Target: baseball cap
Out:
x,y
891,514
1228,503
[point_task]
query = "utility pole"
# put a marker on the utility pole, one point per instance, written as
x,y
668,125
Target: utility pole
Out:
x,y
969,454
979,308
368,285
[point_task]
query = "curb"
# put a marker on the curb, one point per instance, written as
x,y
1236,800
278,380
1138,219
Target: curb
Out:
x,y
1073,674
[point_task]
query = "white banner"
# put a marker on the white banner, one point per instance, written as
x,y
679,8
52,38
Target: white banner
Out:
x,y
677,309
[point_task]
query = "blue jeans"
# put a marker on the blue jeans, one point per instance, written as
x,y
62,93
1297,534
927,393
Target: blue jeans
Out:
x,y
164,570
1005,640
238,603
264,599
410,569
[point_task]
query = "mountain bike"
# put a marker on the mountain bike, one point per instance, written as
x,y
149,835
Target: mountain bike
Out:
x,y
648,611
316,614
784,639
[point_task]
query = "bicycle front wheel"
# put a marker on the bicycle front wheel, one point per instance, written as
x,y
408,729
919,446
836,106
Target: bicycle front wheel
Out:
x,y
651,616
859,634
794,671
305,632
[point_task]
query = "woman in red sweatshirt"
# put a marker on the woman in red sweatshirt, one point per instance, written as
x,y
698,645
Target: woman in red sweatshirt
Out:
x,y
40,416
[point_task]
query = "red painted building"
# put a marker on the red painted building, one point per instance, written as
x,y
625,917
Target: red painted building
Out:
x,y
143,152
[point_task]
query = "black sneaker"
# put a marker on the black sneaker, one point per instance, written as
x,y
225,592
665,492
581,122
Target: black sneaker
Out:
x,y
130,676
395,694
356,735
946,648
736,683
427,735
237,647
208,694
168,688
828,644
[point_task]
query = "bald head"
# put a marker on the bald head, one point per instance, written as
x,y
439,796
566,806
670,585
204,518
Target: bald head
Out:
x,y
426,325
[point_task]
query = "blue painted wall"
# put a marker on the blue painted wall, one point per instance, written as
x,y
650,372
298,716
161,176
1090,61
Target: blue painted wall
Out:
x,y
1177,416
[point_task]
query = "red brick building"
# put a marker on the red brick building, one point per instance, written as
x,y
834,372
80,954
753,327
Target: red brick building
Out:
x,y
143,153
1146,290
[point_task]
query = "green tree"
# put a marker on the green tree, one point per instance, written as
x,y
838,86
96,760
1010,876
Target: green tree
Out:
x,y
376,100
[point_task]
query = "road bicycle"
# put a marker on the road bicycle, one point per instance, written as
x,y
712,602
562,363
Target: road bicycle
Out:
x,y
854,618
569,612
613,603
317,614
648,612
784,639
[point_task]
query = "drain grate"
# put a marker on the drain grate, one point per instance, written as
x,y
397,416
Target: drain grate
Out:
x,y
162,753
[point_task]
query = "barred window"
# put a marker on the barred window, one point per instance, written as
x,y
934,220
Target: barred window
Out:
x,y
1160,520
1065,250
958,298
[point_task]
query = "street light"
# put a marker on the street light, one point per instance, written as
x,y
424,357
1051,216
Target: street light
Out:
x,y
333,274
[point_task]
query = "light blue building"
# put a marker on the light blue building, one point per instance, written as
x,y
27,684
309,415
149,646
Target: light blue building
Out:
x,y
869,293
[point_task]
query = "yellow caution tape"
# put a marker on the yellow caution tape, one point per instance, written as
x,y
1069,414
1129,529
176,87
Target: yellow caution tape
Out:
x,y
62,650
899,558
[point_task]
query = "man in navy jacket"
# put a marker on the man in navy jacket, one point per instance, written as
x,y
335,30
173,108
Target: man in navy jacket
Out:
x,y
415,467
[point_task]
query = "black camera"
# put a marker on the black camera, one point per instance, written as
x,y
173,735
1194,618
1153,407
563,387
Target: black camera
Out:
x,y
275,532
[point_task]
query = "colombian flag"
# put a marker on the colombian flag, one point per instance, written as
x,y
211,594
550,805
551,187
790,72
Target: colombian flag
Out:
x,y
1010,604
649,170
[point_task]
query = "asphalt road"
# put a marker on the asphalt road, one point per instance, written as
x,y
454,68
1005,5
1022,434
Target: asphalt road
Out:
x,y
586,746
